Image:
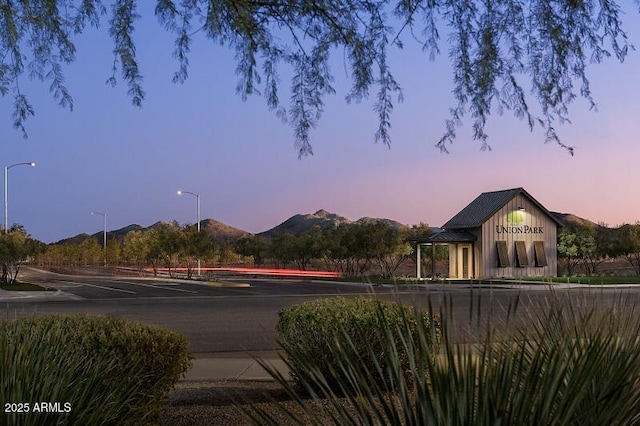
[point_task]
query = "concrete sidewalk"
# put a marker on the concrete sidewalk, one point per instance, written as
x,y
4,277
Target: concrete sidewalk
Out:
x,y
233,366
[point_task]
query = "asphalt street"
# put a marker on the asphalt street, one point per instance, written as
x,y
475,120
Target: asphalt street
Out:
x,y
240,315
219,316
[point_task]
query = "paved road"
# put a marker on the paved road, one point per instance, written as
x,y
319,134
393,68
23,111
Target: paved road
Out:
x,y
233,317
238,315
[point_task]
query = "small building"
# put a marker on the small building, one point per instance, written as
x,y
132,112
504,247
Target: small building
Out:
x,y
499,234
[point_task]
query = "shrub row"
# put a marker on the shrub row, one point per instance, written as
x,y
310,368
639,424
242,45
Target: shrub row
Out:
x,y
320,336
88,370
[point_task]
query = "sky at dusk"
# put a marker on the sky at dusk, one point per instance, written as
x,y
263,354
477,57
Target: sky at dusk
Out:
x,y
111,157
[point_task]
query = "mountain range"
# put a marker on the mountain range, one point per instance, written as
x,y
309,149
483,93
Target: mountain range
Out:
x,y
295,224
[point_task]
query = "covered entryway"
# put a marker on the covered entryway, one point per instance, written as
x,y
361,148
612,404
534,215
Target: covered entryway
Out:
x,y
461,253
461,261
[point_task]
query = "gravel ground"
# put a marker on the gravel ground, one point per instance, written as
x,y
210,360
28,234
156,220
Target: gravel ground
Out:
x,y
217,403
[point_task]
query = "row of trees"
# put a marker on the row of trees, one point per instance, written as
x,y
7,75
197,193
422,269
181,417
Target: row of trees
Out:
x,y
165,245
357,249
583,249
375,247
352,249
16,247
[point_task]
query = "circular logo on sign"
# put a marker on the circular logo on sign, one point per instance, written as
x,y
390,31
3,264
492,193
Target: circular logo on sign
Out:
x,y
515,217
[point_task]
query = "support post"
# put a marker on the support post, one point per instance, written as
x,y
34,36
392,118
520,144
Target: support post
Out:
x,y
433,261
418,268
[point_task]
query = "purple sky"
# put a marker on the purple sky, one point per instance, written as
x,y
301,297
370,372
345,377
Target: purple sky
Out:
x,y
110,157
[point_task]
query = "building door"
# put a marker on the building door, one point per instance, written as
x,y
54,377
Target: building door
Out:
x,y
465,261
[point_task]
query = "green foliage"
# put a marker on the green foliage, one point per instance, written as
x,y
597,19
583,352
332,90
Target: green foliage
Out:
x,y
169,242
253,246
164,243
155,252
627,245
594,280
16,246
90,252
394,250
566,363
135,249
583,247
300,248
320,335
194,245
18,286
502,53
109,371
283,248
114,252
355,248
175,245
373,243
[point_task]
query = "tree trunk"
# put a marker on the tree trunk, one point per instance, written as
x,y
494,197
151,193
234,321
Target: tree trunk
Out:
x,y
15,275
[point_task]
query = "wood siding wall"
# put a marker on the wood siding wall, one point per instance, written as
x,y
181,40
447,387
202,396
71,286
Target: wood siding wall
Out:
x,y
532,217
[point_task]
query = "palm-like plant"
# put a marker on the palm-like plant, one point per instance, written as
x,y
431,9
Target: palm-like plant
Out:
x,y
565,364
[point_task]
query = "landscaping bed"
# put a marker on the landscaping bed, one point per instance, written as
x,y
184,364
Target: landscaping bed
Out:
x,y
220,402
23,287
207,403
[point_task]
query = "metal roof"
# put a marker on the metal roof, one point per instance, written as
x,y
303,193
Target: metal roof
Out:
x,y
486,205
451,237
444,236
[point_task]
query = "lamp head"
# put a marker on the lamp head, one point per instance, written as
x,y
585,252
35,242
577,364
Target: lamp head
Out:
x,y
179,192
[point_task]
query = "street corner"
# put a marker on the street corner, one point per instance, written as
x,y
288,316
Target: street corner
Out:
x,y
34,296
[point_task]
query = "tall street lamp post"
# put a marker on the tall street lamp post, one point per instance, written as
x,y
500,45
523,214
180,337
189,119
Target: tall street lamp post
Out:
x,y
197,215
6,186
104,235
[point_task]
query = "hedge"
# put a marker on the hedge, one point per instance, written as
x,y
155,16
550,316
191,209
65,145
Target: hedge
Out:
x,y
88,370
321,337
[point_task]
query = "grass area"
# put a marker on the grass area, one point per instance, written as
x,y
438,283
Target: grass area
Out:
x,y
23,287
375,280
596,280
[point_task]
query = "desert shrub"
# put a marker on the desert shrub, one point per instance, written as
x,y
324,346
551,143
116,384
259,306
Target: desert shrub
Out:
x,y
566,364
99,370
318,336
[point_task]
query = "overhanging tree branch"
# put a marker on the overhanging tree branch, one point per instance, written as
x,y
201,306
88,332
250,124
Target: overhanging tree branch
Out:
x,y
495,47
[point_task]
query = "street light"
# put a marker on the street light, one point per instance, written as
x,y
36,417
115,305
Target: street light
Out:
x,y
6,204
104,235
197,214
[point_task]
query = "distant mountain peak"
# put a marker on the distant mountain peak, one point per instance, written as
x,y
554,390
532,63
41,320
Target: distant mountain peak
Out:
x,y
571,220
298,223
222,231
390,222
303,222
219,230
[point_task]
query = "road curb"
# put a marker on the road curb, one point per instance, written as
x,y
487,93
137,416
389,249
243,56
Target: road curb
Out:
x,y
223,284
